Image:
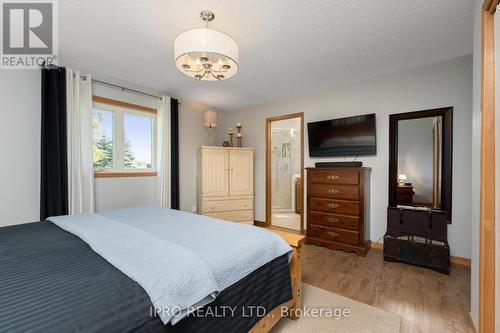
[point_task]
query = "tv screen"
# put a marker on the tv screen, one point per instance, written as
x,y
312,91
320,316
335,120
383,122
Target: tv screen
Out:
x,y
350,136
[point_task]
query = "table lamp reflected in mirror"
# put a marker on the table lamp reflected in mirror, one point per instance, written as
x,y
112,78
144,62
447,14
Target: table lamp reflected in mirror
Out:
x,y
402,179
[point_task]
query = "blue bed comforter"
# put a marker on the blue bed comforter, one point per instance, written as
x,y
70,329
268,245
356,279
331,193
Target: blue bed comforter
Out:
x,y
181,260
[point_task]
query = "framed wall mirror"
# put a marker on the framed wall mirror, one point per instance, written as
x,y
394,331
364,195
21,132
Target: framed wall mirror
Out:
x,y
420,162
285,172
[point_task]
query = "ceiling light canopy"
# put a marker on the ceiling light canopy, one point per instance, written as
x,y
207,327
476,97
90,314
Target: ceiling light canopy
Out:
x,y
206,54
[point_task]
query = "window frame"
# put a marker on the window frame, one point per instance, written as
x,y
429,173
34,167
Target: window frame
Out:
x,y
119,109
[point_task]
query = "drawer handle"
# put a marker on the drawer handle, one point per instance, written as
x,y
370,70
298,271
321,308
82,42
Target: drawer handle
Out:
x,y
332,205
332,219
332,177
332,234
333,191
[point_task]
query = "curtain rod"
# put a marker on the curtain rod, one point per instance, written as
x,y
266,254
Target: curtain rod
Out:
x,y
124,88
84,77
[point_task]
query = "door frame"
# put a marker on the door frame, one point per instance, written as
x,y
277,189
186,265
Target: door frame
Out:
x,y
487,240
268,164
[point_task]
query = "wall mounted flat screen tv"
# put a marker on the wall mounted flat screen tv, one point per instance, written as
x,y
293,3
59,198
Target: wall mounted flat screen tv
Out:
x,y
350,136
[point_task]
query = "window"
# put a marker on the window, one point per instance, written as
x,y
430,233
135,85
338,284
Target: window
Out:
x,y
102,151
137,145
124,138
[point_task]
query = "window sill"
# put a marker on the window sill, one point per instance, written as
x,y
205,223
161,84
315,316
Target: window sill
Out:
x,y
123,174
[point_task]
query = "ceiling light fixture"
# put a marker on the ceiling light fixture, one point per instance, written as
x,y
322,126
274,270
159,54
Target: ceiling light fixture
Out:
x,y
206,54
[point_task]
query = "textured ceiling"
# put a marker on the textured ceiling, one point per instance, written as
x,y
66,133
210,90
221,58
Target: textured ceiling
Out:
x,y
287,47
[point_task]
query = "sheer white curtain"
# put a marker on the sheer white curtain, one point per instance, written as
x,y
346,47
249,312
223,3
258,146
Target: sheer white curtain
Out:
x,y
80,166
163,152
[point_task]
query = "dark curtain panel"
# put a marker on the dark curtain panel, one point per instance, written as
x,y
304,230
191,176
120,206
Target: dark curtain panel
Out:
x,y
54,162
174,120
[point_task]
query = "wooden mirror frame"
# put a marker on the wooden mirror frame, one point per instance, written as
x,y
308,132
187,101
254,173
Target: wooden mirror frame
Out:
x,y
268,165
446,159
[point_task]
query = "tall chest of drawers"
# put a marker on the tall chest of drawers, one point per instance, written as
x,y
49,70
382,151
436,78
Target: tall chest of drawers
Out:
x,y
338,208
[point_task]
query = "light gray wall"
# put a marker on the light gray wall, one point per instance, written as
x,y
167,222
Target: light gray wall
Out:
x,y
19,146
415,156
476,157
113,193
20,149
192,136
142,190
124,192
447,83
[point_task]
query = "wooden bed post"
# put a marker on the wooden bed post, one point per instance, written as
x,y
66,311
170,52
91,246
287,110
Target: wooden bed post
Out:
x,y
266,323
296,277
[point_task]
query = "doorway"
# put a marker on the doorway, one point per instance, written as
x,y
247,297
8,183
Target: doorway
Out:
x,y
285,172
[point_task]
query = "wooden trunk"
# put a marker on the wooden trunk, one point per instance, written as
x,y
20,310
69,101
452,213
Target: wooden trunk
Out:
x,y
417,237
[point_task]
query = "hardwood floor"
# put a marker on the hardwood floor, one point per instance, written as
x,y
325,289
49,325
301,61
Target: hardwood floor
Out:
x,y
427,301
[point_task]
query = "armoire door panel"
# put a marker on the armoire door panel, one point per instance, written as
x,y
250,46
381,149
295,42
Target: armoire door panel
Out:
x,y
215,173
240,172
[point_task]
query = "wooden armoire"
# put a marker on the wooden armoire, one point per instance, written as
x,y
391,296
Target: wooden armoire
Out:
x,y
225,183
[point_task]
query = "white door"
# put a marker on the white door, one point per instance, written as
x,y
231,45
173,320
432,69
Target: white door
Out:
x,y
215,173
241,172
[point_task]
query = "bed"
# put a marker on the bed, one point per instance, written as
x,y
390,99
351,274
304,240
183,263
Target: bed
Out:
x,y
51,280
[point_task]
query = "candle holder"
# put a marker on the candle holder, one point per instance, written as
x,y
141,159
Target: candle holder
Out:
x,y
231,133
239,136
